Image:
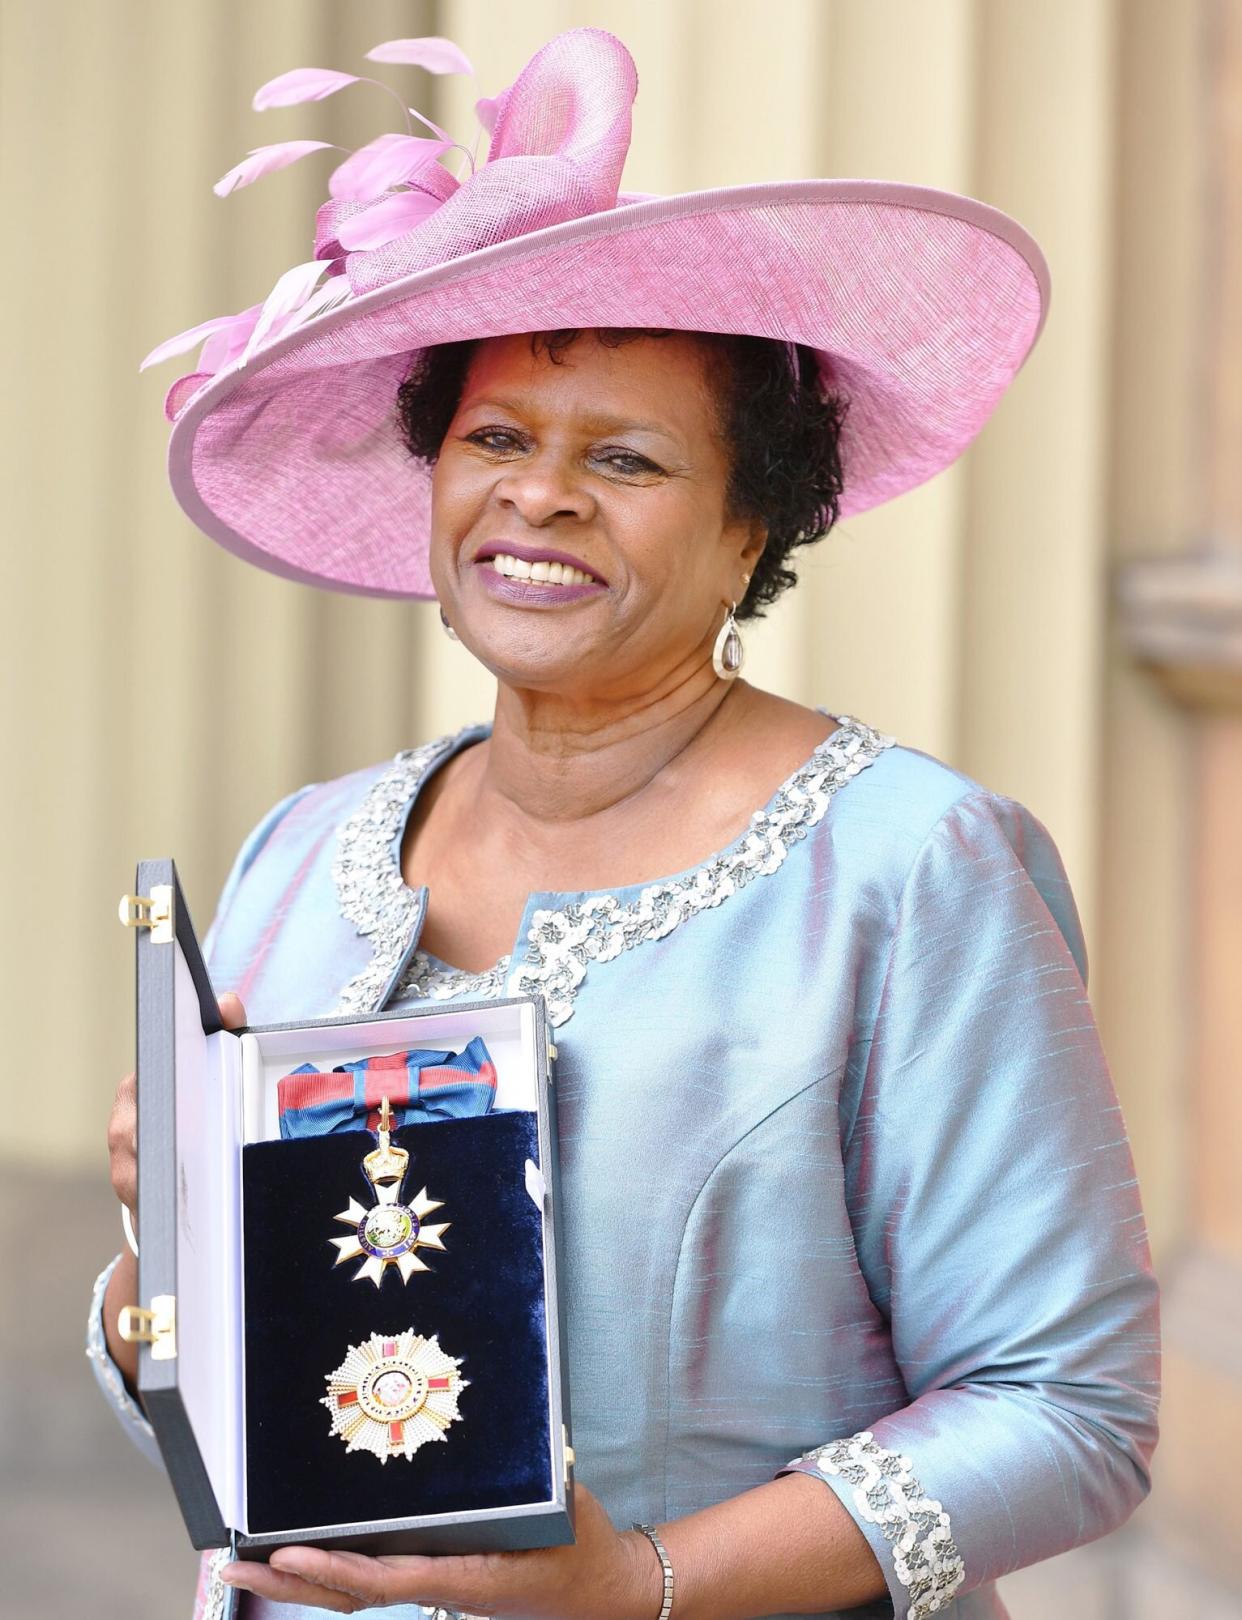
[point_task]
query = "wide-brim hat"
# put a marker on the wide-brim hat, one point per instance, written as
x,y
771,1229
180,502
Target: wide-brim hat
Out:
x,y
921,305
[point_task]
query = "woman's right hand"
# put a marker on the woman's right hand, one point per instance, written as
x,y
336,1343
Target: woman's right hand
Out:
x,y
123,1165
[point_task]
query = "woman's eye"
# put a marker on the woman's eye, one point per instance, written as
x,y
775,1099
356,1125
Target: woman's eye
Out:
x,y
497,439
628,462
504,441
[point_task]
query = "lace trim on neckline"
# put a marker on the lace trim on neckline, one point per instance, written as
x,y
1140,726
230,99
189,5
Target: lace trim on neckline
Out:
x,y
426,978
563,942
371,893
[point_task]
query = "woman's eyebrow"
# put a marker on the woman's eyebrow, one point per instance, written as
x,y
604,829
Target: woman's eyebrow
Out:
x,y
627,424
492,402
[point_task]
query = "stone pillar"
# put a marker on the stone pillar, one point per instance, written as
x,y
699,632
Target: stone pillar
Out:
x,y
1180,616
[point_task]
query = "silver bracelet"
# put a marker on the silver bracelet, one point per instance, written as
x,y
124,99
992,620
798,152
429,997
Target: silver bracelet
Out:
x,y
666,1607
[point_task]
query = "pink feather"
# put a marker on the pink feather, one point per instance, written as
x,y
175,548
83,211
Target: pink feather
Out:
x,y
223,347
429,123
432,52
386,220
289,294
388,160
186,340
265,160
334,291
298,85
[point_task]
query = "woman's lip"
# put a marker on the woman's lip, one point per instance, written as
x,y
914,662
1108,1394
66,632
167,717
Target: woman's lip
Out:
x,y
532,554
533,592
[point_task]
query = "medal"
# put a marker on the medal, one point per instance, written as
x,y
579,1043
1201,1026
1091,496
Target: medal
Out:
x,y
389,1233
391,1395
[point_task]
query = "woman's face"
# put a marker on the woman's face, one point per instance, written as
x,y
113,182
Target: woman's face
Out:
x,y
609,463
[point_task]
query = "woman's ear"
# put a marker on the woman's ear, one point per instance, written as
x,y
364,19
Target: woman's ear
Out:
x,y
754,541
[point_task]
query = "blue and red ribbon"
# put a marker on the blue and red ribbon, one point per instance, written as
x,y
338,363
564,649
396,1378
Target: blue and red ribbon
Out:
x,y
421,1086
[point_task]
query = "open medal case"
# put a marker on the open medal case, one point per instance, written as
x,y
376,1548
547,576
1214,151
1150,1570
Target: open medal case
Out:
x,y
245,1313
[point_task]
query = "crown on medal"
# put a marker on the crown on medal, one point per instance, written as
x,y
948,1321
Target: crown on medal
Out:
x,y
386,1164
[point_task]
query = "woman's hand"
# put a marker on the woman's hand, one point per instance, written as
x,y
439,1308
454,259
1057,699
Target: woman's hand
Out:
x,y
605,1575
123,1143
123,1165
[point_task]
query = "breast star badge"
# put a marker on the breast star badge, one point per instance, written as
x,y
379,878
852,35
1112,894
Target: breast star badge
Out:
x,y
392,1394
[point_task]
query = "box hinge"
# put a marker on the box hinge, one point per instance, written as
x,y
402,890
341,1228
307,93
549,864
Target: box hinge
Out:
x,y
156,1327
569,1452
153,911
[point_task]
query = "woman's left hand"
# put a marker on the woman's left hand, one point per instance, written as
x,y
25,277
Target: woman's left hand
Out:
x,y
604,1575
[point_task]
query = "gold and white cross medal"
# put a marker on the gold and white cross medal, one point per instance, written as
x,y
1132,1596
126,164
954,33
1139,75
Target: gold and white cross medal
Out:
x,y
390,1233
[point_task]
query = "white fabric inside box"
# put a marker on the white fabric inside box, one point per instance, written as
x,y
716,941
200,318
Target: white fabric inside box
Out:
x,y
208,1192
227,1097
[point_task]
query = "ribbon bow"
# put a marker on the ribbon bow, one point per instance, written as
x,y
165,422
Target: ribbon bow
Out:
x,y
421,1086
558,141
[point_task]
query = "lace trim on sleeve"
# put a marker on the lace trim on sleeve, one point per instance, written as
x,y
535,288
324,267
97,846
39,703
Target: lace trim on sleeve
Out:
x,y
887,1494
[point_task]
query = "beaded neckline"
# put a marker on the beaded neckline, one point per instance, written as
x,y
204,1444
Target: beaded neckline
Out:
x,y
427,978
595,926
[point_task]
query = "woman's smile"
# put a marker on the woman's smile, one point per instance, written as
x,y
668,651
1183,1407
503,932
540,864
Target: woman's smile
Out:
x,y
526,589
534,576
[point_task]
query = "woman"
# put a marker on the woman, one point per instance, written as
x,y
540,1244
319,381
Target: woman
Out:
x,y
860,1309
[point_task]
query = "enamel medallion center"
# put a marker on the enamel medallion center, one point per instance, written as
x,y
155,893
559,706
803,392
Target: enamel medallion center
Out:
x,y
389,1230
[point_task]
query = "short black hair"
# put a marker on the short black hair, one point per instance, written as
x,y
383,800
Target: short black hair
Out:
x,y
781,426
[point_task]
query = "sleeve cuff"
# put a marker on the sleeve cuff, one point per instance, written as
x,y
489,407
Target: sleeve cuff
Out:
x,y
108,1376
909,1533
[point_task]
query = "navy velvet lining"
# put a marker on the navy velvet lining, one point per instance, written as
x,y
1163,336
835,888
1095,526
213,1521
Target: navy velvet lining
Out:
x,y
483,1296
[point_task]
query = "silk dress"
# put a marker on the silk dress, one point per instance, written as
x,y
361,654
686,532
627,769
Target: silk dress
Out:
x,y
845,1182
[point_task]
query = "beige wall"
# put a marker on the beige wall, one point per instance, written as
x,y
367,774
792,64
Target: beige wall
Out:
x,y
164,695
159,696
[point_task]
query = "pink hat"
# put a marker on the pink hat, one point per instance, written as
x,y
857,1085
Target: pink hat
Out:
x,y
921,304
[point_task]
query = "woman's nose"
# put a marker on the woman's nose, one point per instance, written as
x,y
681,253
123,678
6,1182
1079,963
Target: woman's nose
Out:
x,y
545,488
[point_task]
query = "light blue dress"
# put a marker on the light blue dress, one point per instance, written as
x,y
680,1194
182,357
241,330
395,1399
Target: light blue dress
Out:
x,y
845,1179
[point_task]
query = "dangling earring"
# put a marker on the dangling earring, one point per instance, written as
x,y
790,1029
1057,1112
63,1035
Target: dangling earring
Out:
x,y
728,655
448,628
